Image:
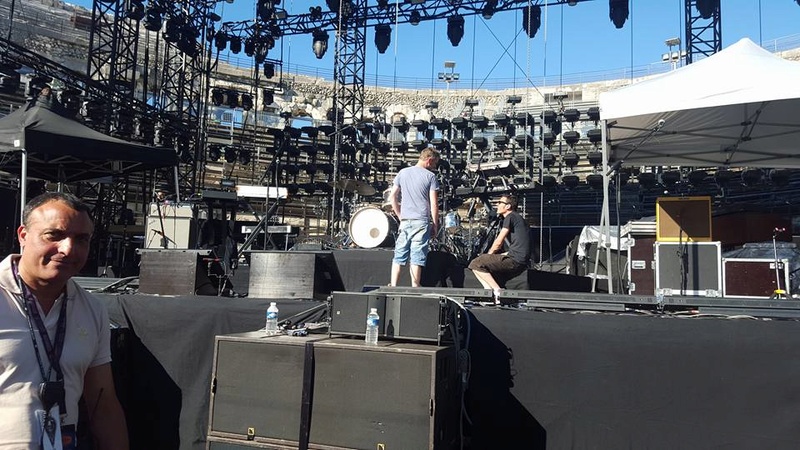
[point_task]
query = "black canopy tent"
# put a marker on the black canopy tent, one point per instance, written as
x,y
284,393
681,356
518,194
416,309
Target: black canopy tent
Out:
x,y
36,141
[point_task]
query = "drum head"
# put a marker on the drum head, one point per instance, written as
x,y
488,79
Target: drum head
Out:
x,y
369,227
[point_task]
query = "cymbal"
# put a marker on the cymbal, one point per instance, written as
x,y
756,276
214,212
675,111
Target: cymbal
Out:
x,y
359,187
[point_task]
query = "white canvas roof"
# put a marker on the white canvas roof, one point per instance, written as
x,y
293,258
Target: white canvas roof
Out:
x,y
739,107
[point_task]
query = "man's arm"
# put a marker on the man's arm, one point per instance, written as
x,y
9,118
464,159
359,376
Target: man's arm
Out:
x,y
497,245
106,418
434,199
393,200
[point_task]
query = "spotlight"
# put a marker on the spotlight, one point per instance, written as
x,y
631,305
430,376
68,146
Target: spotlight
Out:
x,y
647,180
244,156
751,177
136,10
570,181
94,111
236,45
9,77
146,129
707,8
593,113
618,12
697,177
548,138
269,69
320,44
549,116
214,152
267,98
548,160
571,115
383,36
489,9
549,181
172,32
414,18
571,159
455,29
595,181
595,158
595,135
247,102
265,10
780,177
220,40
232,99
316,12
152,18
230,154
217,96
71,101
571,137
249,46
185,148
531,19
670,177
723,177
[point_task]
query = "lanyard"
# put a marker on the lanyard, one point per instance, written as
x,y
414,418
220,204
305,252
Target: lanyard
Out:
x,y
52,349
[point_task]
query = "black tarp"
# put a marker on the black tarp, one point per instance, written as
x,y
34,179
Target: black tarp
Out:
x,y
64,150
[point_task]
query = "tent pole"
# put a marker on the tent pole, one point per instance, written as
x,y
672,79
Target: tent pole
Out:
x,y
23,185
605,231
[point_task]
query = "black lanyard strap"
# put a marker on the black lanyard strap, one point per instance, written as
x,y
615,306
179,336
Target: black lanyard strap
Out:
x,y
52,349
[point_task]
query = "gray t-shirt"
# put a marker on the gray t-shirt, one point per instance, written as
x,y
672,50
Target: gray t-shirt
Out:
x,y
415,184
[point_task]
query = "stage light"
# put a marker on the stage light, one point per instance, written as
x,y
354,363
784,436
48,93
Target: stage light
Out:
x,y
548,138
647,180
670,177
383,36
593,113
384,4
152,18
548,160
247,102
707,8
570,181
136,10
549,181
230,154
618,12
9,77
751,177
214,152
269,69
185,149
780,177
232,99
220,40
244,156
549,116
571,137
571,115
320,44
531,19
249,46
315,12
265,10
172,32
217,96
236,45
595,158
71,101
414,18
571,159
455,29
595,135
697,177
595,181
723,177
489,9
480,122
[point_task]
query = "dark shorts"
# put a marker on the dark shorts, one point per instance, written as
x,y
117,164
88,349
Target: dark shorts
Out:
x,y
500,266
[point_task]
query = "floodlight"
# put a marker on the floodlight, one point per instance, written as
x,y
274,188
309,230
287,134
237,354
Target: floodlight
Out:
x,y
320,44
383,37
531,19
618,12
455,29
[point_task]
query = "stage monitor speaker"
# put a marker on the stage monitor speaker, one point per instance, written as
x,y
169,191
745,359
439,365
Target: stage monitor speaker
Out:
x,y
689,268
410,317
392,396
300,275
683,219
179,272
257,387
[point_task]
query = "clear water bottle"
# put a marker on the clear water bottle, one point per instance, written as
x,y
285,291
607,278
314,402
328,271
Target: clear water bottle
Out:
x,y
373,319
272,319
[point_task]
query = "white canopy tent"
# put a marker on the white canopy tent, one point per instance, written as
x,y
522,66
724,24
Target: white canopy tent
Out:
x,y
737,108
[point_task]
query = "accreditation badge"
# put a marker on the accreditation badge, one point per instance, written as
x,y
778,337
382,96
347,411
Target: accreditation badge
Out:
x,y
50,425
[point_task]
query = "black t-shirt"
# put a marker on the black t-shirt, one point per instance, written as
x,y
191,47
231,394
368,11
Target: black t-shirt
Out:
x,y
519,247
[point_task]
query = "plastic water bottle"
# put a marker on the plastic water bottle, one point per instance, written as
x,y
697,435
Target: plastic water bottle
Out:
x,y
272,319
373,319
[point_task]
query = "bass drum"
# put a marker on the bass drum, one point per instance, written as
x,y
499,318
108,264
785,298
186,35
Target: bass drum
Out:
x,y
370,227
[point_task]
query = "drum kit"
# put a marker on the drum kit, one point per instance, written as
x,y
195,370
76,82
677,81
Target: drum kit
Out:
x,y
370,222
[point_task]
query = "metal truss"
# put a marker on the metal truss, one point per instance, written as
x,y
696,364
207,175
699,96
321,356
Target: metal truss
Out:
x,y
703,35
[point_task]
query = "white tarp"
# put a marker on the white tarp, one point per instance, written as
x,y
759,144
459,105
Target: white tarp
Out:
x,y
736,108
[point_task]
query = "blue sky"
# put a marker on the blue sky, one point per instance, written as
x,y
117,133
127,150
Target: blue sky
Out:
x,y
571,40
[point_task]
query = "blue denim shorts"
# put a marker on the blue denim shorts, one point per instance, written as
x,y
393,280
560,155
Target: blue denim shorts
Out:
x,y
413,238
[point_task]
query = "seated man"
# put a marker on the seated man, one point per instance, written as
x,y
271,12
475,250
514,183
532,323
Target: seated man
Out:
x,y
494,265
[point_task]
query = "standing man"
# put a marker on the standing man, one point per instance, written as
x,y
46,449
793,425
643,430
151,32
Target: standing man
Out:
x,y
494,265
54,336
418,210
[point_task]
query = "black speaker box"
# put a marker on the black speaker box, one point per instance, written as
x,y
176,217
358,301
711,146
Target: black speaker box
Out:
x,y
179,272
219,443
392,396
301,275
258,387
403,316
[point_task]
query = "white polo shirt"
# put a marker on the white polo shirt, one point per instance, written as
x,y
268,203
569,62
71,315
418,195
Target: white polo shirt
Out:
x,y
86,344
